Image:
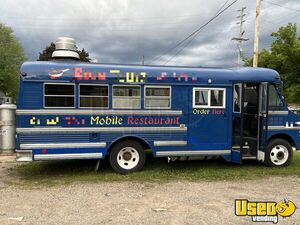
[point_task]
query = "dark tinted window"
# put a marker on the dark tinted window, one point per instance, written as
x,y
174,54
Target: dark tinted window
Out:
x,y
201,97
216,97
93,96
93,90
58,89
59,95
52,101
210,98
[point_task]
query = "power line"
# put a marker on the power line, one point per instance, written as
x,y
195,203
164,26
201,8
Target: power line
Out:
x,y
187,43
282,6
180,50
225,3
196,32
195,36
268,8
219,12
281,20
252,16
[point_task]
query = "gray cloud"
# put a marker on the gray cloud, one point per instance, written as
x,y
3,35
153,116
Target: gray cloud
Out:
x,y
121,31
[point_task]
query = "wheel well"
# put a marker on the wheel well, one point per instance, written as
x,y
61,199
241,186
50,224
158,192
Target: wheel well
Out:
x,y
284,137
130,138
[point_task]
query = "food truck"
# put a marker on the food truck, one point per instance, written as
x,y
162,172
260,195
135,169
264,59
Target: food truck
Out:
x,y
68,109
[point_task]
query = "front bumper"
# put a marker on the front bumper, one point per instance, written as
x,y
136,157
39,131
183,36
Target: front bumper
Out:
x,y
24,155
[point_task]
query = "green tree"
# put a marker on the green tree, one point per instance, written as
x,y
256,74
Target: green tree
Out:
x,y
84,56
46,54
284,57
11,58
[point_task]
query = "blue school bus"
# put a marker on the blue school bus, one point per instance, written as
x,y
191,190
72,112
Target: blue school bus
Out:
x,y
73,110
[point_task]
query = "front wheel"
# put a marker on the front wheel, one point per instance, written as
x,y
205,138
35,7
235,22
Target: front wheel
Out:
x,y
279,153
127,157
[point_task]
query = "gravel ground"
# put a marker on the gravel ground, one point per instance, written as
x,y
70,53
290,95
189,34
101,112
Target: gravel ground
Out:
x,y
173,203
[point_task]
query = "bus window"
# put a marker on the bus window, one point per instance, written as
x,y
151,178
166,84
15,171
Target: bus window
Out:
x,y
237,98
59,95
208,98
275,102
157,97
216,97
126,97
200,97
95,96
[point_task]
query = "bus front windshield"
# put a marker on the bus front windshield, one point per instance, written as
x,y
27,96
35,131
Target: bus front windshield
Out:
x,y
276,101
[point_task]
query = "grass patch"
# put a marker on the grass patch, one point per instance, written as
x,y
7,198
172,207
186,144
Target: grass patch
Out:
x,y
155,170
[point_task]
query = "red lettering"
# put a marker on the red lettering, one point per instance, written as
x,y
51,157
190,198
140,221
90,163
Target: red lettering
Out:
x,y
77,73
161,121
141,120
136,121
150,121
68,120
101,76
156,120
130,120
177,120
168,120
146,120
89,76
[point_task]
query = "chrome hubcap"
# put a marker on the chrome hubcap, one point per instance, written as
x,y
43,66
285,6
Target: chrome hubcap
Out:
x,y
279,155
128,158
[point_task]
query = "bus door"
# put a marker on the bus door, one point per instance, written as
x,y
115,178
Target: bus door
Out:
x,y
263,115
236,122
245,121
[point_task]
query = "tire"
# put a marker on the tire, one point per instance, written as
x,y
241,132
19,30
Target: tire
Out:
x,y
127,157
279,153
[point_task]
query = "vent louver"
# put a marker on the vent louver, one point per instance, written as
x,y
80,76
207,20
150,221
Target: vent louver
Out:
x,y
65,47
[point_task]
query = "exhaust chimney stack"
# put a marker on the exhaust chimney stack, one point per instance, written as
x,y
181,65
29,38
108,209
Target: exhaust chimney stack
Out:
x,y
65,47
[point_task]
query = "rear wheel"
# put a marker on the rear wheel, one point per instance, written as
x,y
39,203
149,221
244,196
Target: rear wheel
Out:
x,y
279,153
127,157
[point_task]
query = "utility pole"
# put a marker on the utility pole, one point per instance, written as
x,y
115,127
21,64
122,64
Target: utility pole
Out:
x,y
143,60
256,36
240,39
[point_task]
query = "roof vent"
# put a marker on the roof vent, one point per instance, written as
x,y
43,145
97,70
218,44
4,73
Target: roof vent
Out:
x,y
65,47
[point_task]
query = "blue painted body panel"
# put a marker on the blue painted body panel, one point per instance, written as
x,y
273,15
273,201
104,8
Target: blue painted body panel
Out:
x,y
290,127
40,71
209,129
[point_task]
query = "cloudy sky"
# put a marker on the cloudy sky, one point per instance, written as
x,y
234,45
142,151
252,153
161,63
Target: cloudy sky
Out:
x,y
121,31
